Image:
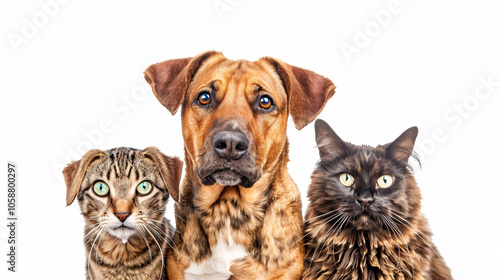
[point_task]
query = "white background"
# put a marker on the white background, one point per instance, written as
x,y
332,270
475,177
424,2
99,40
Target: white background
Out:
x,y
84,63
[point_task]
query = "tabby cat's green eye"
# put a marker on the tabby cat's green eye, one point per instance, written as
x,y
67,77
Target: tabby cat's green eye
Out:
x,y
385,181
101,188
144,188
346,179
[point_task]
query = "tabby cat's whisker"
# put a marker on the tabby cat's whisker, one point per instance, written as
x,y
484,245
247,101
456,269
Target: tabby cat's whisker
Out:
x,y
169,238
161,251
170,226
155,211
180,218
92,233
157,231
90,252
147,243
97,249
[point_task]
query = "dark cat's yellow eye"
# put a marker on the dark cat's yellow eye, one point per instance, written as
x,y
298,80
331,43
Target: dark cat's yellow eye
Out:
x,y
144,188
385,181
346,179
101,188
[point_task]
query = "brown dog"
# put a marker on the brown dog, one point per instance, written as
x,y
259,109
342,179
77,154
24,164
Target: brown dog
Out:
x,y
239,214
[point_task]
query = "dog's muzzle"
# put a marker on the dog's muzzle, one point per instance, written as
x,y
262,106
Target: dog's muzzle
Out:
x,y
229,163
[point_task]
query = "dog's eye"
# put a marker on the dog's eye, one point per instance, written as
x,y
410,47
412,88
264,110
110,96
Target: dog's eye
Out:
x,y
144,188
265,102
101,188
204,98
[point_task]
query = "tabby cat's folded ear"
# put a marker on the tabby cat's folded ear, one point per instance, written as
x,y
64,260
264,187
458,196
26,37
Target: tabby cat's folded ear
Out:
x,y
329,143
170,170
75,172
402,148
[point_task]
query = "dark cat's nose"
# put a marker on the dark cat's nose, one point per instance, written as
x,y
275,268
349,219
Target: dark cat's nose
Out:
x,y
122,216
365,201
230,144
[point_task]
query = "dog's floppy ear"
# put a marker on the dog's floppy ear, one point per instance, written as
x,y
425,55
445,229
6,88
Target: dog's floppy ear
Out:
x,y
170,170
170,79
307,91
75,172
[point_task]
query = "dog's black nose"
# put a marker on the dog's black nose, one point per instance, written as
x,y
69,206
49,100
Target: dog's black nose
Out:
x,y
230,145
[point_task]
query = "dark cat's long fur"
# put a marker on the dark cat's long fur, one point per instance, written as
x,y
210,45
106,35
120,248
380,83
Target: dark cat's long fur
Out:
x,y
360,226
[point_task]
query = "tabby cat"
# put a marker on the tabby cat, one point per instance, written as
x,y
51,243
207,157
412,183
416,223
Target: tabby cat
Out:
x,y
364,219
122,194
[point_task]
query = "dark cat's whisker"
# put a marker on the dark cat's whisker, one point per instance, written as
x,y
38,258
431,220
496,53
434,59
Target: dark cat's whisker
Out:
x,y
386,222
405,242
315,229
327,213
413,226
335,237
339,221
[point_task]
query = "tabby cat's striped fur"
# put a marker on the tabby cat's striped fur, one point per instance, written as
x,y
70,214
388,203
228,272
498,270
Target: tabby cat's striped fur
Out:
x,y
126,233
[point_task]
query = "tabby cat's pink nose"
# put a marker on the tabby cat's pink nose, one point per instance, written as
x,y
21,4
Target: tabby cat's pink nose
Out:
x,y
122,216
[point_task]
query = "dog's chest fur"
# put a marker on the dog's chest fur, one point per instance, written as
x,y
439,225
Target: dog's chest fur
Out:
x,y
232,229
217,266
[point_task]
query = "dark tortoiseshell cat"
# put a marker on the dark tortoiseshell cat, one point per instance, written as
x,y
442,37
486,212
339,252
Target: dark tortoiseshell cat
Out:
x,y
123,193
364,219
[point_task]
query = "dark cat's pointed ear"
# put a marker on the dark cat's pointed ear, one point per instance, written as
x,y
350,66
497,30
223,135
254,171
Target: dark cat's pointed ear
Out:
x,y
170,170
74,173
402,148
329,143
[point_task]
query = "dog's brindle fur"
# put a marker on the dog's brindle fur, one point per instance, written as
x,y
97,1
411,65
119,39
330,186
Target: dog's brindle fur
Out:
x,y
263,213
